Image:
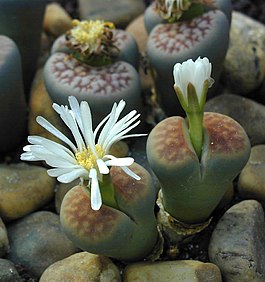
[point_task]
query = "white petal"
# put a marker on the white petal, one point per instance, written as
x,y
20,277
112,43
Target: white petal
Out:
x,y
192,72
102,166
169,6
116,138
118,161
55,172
53,147
53,130
113,117
50,158
71,123
120,126
72,175
87,121
96,201
76,110
134,135
100,125
28,156
111,121
26,148
130,173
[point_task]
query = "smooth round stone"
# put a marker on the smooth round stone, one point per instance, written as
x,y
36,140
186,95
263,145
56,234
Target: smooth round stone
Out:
x,y
4,243
138,31
37,241
121,12
244,65
23,188
8,272
82,267
56,20
250,114
237,245
251,183
248,28
168,271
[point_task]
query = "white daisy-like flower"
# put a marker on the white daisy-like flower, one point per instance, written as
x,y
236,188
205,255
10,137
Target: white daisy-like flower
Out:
x,y
195,73
89,158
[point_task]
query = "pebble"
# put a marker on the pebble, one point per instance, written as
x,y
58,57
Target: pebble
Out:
x,y
168,271
250,114
37,241
237,245
4,243
249,29
23,189
251,183
137,29
244,66
8,272
82,267
121,12
56,20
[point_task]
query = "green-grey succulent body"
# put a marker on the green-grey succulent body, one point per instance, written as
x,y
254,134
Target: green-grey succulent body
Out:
x,y
127,232
193,187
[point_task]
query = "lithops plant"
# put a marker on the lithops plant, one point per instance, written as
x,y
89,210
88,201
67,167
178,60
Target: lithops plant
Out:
x,y
13,108
194,167
111,212
127,231
96,63
184,29
22,21
160,10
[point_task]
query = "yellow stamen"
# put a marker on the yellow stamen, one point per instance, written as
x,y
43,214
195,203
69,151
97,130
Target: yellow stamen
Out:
x,y
87,159
89,32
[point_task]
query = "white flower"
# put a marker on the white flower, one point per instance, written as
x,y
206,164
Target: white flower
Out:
x,y
196,73
85,159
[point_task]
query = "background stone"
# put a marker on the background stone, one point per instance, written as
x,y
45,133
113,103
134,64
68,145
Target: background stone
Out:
x,y
23,189
168,271
237,245
251,183
244,65
56,20
250,114
8,272
82,267
37,241
120,12
4,243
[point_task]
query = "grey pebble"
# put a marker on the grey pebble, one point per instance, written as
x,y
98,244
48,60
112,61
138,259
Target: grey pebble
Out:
x,y
250,114
37,241
8,272
237,245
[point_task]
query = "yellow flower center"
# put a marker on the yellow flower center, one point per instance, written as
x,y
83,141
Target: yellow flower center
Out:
x,y
87,159
89,32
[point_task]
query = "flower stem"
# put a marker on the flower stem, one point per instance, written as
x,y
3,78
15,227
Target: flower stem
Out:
x,y
196,131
